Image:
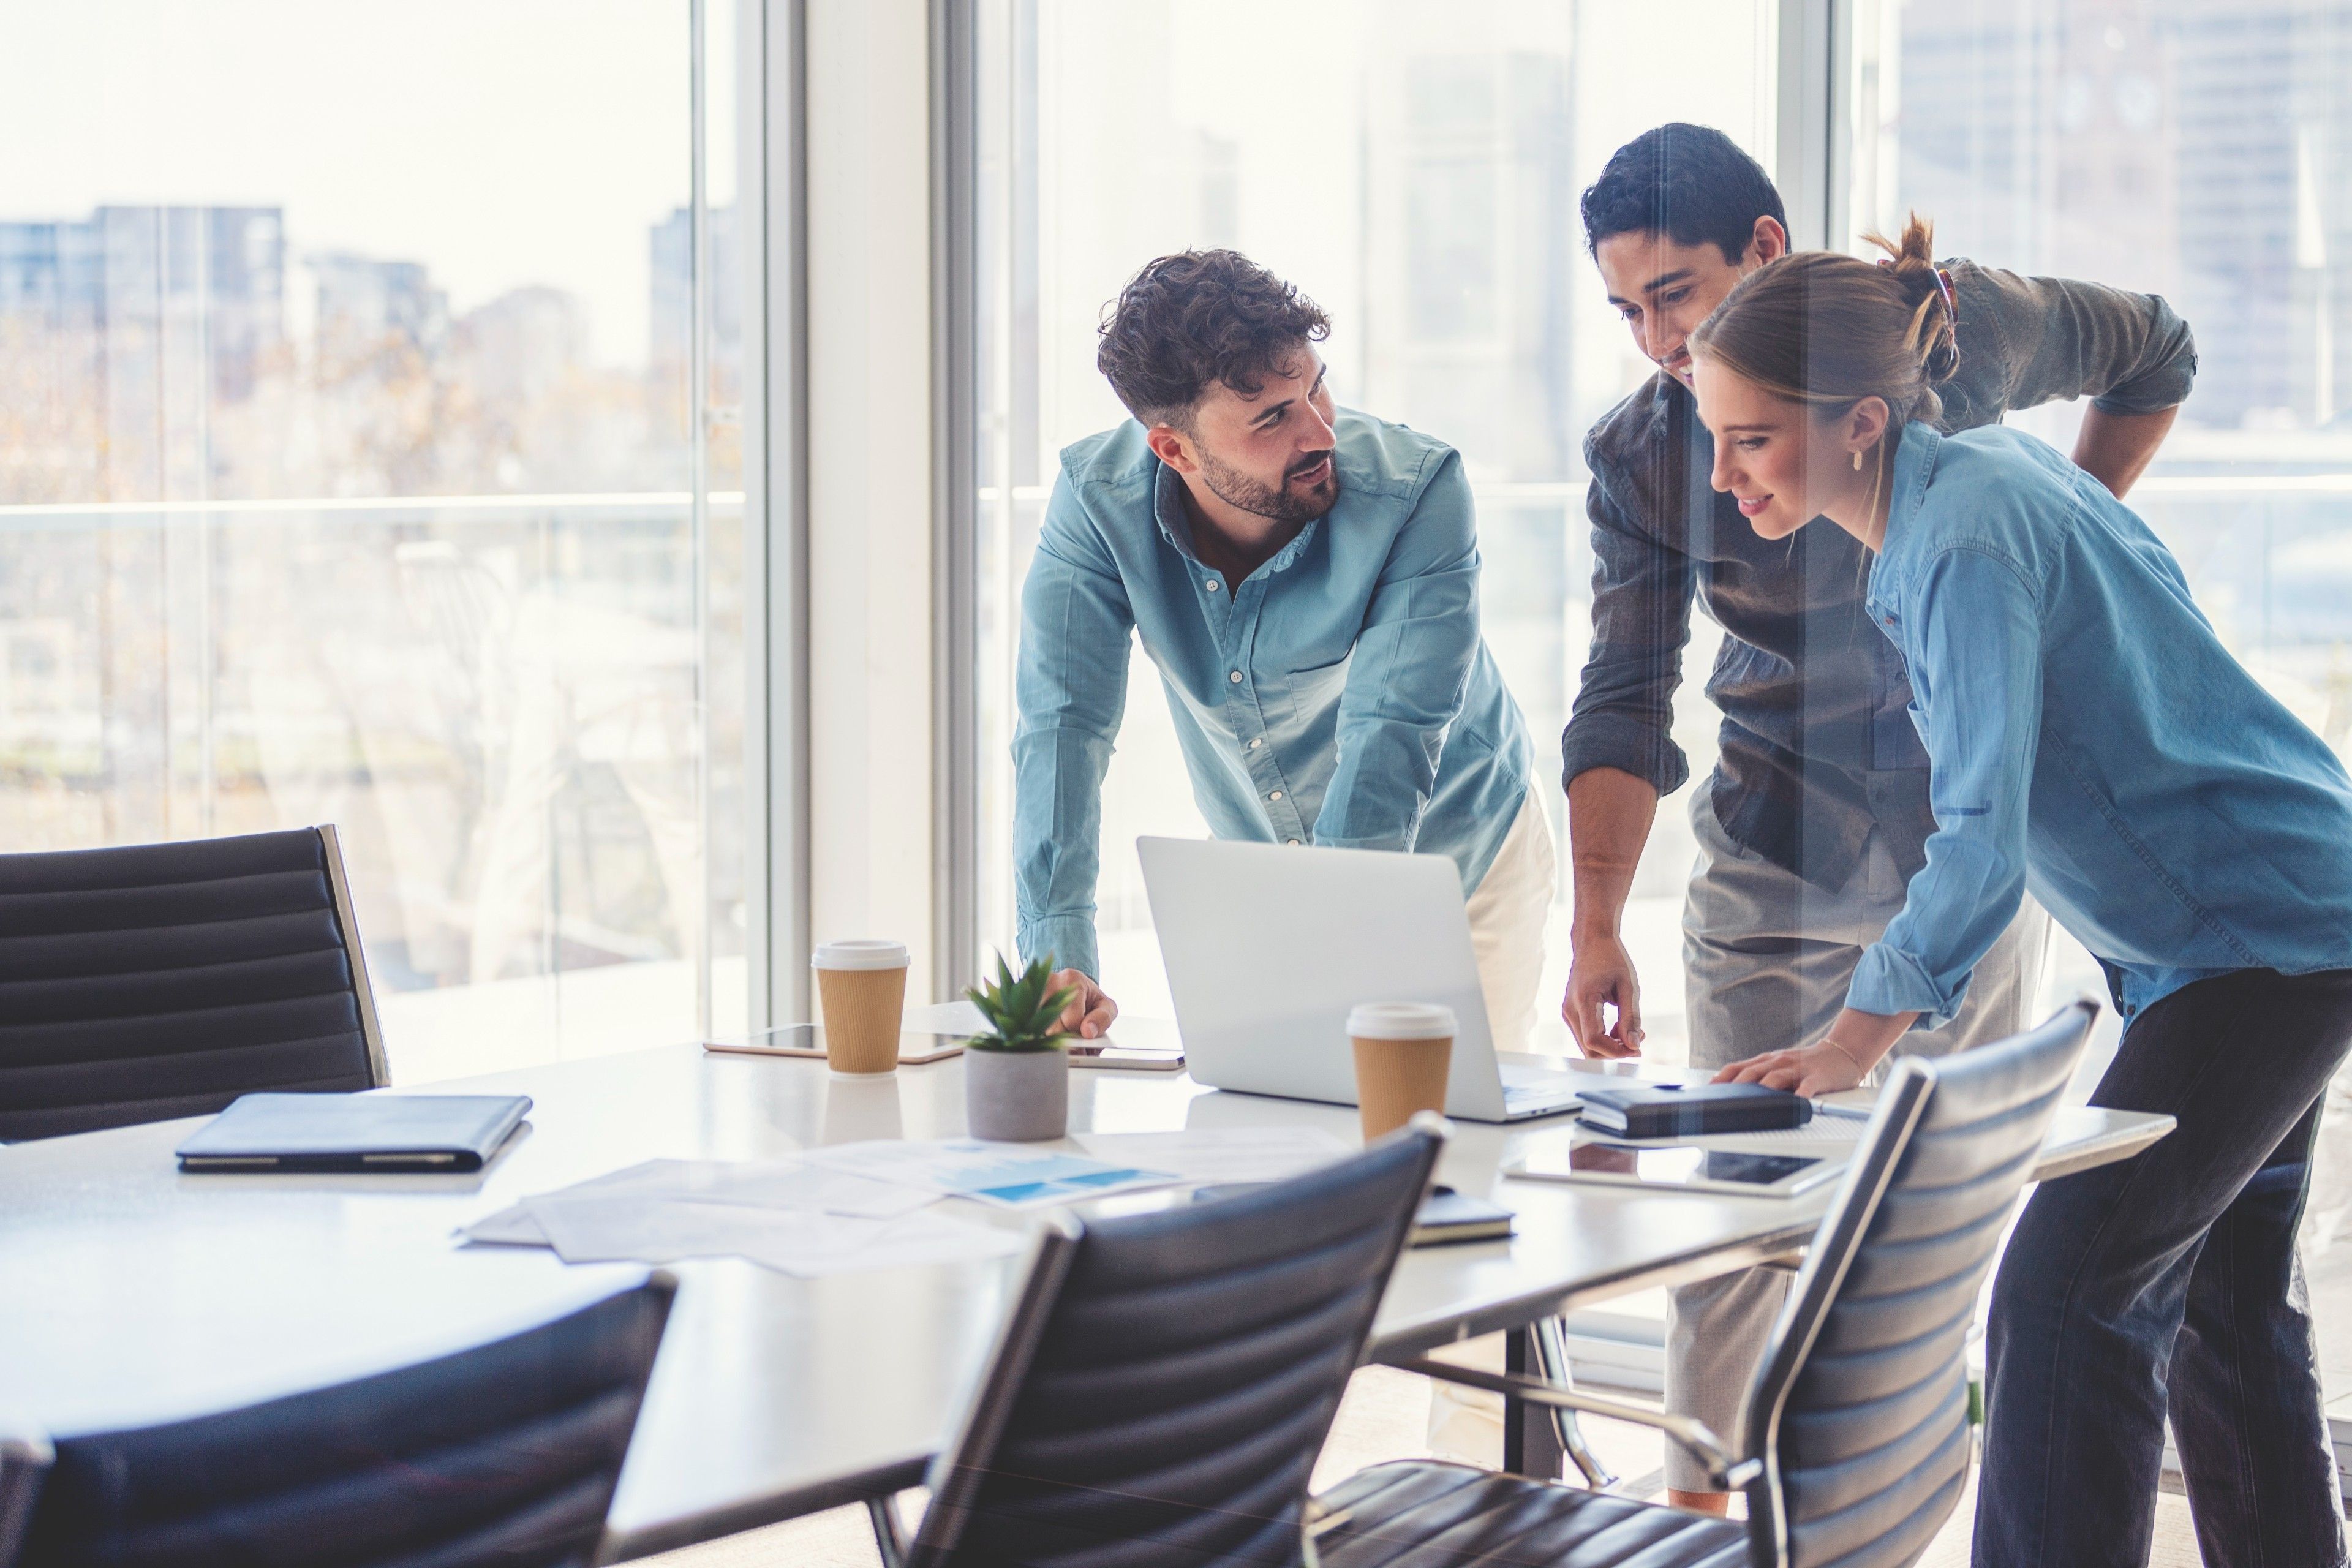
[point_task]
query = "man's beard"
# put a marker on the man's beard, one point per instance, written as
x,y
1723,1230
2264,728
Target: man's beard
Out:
x,y
1236,489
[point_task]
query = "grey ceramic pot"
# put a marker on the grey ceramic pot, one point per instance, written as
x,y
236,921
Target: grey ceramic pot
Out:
x,y
1017,1097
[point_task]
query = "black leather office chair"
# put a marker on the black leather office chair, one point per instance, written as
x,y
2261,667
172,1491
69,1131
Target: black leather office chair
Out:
x,y
1856,1425
161,980
506,1455
1164,1382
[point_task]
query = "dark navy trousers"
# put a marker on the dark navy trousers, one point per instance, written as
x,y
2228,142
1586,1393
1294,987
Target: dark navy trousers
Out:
x,y
2167,1284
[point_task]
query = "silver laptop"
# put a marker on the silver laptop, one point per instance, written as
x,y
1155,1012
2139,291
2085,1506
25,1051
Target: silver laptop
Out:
x,y
1268,947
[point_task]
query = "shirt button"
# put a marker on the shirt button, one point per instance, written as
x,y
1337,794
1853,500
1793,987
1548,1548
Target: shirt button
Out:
x,y
1275,795
1211,584
1235,678
1255,741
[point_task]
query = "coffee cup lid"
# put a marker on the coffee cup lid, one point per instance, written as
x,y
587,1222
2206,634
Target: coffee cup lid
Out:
x,y
1401,1021
864,953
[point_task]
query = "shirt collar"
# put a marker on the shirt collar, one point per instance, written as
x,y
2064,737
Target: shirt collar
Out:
x,y
1176,524
1915,469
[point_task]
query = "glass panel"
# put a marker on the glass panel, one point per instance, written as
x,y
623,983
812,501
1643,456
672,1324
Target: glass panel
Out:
x,y
346,476
1415,170
2202,151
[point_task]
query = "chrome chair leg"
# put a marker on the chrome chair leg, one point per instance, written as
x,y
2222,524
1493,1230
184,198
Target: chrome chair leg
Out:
x,y
889,1543
1552,1362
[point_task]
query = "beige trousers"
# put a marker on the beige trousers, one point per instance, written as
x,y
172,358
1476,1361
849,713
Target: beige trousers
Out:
x,y
1507,912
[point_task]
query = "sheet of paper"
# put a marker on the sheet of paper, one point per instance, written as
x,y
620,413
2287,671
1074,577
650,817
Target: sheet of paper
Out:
x,y
1220,1153
1009,1175
792,1185
801,1242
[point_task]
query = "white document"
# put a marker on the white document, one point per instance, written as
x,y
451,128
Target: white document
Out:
x,y
1007,1175
1220,1153
790,1185
801,1242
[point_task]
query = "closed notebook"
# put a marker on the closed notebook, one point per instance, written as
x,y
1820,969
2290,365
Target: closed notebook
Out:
x,y
1448,1215
1654,1111
355,1132
1445,1215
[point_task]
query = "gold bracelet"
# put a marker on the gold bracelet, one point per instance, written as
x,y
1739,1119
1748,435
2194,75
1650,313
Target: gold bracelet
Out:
x,y
1847,1055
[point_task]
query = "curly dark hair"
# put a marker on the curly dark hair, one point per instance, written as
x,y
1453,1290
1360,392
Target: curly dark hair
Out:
x,y
1690,183
1198,317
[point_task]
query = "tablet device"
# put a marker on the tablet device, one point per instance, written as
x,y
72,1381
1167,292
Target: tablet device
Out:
x,y
1680,1168
1133,1045
914,1047
389,1132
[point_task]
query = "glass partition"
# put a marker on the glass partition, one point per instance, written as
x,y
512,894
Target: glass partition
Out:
x,y
350,472
2201,151
1415,170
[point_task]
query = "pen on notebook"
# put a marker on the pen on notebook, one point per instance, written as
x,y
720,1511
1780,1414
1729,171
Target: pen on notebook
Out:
x,y
1858,1113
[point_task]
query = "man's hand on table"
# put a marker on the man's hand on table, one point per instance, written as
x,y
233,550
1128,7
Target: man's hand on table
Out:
x,y
1089,1013
1602,973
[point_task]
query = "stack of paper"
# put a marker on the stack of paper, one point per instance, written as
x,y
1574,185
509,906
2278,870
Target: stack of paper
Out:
x,y
787,1214
868,1205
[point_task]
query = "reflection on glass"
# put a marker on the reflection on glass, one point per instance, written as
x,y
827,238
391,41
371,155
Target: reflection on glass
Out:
x,y
2203,151
344,461
1415,170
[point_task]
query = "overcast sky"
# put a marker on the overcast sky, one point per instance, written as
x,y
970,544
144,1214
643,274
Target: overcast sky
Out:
x,y
502,143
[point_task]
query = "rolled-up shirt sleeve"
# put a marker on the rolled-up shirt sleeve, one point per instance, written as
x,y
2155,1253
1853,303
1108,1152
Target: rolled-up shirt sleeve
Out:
x,y
1408,674
1624,717
1070,685
1975,659
2132,354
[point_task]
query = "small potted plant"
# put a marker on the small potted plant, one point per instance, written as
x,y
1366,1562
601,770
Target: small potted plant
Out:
x,y
1016,1081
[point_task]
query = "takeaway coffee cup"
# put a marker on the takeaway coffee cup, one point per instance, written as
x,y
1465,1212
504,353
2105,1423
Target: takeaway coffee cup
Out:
x,y
862,986
1402,1049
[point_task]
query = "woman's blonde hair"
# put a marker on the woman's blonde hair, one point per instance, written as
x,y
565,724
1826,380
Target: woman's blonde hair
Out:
x,y
1828,330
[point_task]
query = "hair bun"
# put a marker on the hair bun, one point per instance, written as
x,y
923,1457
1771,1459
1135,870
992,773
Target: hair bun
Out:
x,y
1935,307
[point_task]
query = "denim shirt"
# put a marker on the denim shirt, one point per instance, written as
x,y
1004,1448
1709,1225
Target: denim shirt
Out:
x,y
2090,739
1815,750
1341,694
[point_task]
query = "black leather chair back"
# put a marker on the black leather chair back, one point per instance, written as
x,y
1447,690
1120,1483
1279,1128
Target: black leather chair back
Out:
x,y
1166,1380
506,1455
24,1457
161,980
1859,1409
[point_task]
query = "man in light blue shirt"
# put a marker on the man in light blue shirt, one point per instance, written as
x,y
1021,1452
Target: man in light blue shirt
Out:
x,y
1305,579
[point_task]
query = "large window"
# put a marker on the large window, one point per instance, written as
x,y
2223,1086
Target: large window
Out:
x,y
2201,150
1415,169
351,471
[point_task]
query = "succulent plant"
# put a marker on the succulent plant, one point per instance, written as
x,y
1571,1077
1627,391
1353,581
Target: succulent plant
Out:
x,y
1024,1014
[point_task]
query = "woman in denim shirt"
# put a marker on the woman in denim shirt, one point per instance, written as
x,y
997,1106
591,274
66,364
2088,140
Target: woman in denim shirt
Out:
x,y
2091,740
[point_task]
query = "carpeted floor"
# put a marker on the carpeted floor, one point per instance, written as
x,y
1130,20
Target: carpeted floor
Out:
x,y
1385,1417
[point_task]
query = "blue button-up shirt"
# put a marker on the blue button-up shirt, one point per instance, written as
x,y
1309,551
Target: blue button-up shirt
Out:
x,y
1341,694
2090,738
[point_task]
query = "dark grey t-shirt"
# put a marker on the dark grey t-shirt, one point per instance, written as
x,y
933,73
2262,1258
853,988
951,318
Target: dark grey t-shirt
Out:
x,y
1817,746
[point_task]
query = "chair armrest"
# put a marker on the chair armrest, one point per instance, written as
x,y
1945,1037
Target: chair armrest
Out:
x,y
1693,1436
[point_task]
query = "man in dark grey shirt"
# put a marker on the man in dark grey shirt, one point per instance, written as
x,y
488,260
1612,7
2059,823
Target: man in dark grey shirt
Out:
x,y
1817,812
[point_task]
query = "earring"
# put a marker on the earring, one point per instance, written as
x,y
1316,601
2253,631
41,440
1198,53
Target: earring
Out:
x,y
1857,460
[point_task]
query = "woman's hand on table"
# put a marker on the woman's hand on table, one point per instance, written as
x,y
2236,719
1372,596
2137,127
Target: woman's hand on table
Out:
x,y
1812,1070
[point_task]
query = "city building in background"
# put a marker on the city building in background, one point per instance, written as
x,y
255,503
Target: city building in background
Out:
x,y
293,528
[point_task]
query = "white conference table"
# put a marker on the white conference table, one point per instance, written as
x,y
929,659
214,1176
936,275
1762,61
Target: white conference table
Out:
x,y
130,1293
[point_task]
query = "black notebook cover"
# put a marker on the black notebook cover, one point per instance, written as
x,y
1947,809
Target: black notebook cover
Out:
x,y
1653,1110
355,1132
